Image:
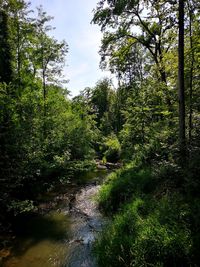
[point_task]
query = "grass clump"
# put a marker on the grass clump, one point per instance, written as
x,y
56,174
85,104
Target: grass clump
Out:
x,y
155,222
146,233
123,185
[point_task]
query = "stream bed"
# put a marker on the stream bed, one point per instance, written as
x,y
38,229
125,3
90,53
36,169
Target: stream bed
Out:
x,y
61,233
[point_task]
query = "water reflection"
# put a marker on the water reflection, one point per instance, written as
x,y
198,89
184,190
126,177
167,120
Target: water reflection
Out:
x,y
42,241
64,236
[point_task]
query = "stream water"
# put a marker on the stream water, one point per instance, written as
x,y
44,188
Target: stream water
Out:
x,y
62,232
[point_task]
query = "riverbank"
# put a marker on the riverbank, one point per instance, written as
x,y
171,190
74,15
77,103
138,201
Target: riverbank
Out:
x,y
154,217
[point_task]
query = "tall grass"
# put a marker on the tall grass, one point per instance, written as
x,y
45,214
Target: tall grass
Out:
x,y
152,223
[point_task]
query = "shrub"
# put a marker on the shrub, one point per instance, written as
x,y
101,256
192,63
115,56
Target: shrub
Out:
x,y
112,149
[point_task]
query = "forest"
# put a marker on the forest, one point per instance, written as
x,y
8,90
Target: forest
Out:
x,y
149,124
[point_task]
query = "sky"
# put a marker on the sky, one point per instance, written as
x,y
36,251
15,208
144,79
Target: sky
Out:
x,y
72,21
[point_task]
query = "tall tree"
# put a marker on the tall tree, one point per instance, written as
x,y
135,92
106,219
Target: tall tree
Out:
x,y
182,137
5,50
49,56
152,19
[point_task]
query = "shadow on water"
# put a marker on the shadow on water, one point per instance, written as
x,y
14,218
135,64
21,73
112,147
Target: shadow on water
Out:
x,y
40,240
51,226
61,236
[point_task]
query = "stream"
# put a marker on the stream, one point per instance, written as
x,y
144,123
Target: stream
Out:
x,y
61,233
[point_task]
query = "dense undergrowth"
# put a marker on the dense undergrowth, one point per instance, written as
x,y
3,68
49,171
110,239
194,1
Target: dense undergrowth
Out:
x,y
155,216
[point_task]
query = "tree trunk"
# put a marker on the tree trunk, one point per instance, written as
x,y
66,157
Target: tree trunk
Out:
x,y
191,75
6,73
181,89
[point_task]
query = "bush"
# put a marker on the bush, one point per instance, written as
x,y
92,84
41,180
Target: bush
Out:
x,y
112,149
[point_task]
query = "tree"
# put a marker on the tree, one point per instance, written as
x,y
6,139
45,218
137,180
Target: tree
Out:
x,y
48,57
102,100
6,90
147,22
191,18
21,103
49,54
182,137
6,71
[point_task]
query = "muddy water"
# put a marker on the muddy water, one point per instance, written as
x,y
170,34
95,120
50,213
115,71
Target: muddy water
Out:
x,y
63,236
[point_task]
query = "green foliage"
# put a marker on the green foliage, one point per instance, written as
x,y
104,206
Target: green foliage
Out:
x,y
155,220
148,232
19,207
41,135
111,149
6,72
160,224
101,101
46,138
122,186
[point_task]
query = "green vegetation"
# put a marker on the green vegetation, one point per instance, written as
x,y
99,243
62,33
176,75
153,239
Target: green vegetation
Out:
x,y
43,137
155,222
149,123
111,149
153,200
143,235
